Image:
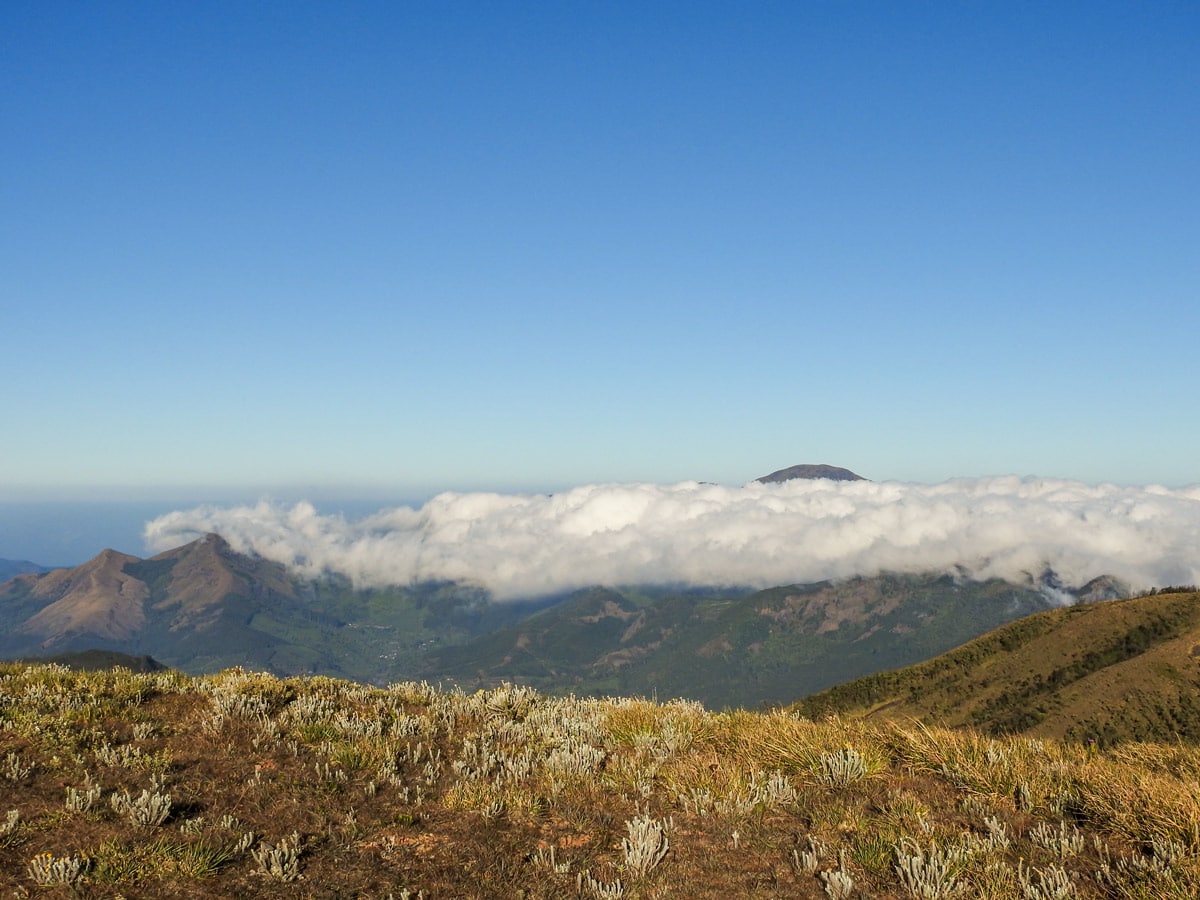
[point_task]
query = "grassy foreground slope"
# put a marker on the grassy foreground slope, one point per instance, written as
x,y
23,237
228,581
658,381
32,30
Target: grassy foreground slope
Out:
x,y
154,785
1118,670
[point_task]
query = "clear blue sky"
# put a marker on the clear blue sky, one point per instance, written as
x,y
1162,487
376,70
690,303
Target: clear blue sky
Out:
x,y
397,248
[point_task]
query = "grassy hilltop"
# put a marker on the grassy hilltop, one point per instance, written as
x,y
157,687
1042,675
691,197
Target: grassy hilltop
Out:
x,y
1106,672
157,784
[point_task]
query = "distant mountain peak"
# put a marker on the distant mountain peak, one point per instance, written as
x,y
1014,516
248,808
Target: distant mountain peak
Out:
x,y
209,543
114,597
810,470
98,597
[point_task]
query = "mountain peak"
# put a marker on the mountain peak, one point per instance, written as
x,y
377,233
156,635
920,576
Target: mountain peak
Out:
x,y
211,542
810,470
98,597
203,588
105,566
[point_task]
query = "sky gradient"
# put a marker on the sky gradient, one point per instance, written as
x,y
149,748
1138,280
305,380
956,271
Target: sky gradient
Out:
x,y
380,249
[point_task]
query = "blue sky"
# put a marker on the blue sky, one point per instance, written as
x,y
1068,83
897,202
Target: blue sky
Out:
x,y
382,249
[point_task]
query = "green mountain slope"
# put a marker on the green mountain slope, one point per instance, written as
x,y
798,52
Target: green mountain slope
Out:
x,y
1105,672
754,648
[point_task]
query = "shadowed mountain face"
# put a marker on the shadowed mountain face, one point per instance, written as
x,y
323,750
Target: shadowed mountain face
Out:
x,y
99,660
203,607
833,473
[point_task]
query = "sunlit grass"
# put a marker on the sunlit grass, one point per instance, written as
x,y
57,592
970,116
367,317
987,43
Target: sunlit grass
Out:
x,y
240,783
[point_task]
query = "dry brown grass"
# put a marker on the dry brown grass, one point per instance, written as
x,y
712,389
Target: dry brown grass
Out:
x,y
365,792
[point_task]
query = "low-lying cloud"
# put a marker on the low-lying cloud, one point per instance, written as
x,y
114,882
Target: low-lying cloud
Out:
x,y
703,534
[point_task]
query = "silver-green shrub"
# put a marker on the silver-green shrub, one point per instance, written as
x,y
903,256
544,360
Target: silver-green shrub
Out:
x,y
14,768
82,799
647,843
48,869
8,828
1064,841
282,861
838,884
928,875
600,890
841,767
1050,883
806,862
148,809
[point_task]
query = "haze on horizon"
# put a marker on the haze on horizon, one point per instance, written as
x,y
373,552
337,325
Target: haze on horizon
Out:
x,y
381,252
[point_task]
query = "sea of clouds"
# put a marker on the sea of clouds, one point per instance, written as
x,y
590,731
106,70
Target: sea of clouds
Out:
x,y
757,535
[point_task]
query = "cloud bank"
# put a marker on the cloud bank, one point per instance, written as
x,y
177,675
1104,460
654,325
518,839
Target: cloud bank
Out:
x,y
758,535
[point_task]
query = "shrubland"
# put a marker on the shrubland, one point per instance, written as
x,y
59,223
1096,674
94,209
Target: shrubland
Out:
x,y
239,784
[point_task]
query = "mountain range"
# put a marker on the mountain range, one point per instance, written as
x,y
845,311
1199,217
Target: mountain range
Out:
x,y
203,607
11,567
762,647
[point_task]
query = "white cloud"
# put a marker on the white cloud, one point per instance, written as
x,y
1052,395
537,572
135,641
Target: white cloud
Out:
x,y
757,535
